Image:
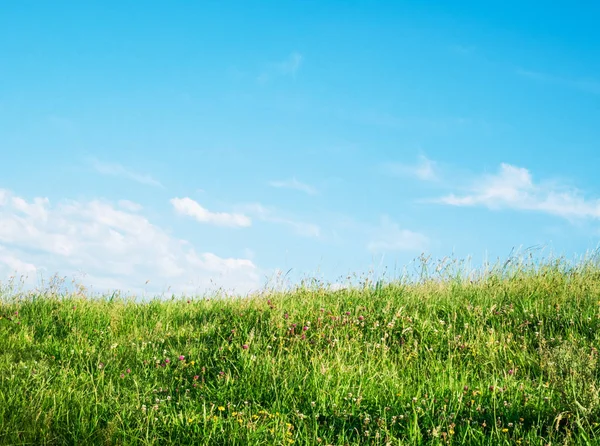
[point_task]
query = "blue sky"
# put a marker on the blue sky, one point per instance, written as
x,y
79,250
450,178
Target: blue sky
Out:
x,y
203,144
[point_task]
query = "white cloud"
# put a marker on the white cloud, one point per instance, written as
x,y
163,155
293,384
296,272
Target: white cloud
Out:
x,y
191,208
286,67
513,188
424,170
390,237
112,247
270,215
9,262
117,170
294,184
130,206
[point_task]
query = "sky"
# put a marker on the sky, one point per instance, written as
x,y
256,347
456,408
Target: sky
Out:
x,y
180,147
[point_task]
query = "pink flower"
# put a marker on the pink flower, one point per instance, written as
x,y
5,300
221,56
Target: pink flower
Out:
x,y
196,377
361,318
181,357
122,375
128,370
305,328
245,346
167,360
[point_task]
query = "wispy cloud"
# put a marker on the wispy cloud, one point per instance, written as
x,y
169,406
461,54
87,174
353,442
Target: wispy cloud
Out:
x,y
114,248
118,170
390,237
191,208
513,188
294,184
424,169
270,215
287,67
587,85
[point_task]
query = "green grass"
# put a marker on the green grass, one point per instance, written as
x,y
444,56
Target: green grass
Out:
x,y
511,358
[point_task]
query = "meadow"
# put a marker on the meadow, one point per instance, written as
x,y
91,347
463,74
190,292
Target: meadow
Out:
x,y
507,357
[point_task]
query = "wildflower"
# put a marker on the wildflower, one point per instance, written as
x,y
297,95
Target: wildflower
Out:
x,y
305,328
361,318
245,346
122,375
100,366
128,370
196,377
181,357
511,372
221,408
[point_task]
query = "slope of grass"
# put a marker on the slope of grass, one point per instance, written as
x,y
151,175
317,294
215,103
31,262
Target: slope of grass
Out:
x,y
508,359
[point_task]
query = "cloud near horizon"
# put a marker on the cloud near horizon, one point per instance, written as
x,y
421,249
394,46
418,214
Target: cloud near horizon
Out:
x,y
191,208
513,188
109,248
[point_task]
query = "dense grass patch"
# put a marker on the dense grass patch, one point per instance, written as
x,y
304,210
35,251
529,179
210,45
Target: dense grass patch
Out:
x,y
511,358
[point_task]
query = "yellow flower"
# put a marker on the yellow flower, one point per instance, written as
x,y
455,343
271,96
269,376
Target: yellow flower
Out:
x,y
505,430
192,362
221,408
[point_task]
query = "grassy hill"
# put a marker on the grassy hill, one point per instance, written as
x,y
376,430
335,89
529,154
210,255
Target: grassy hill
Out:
x,y
511,358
